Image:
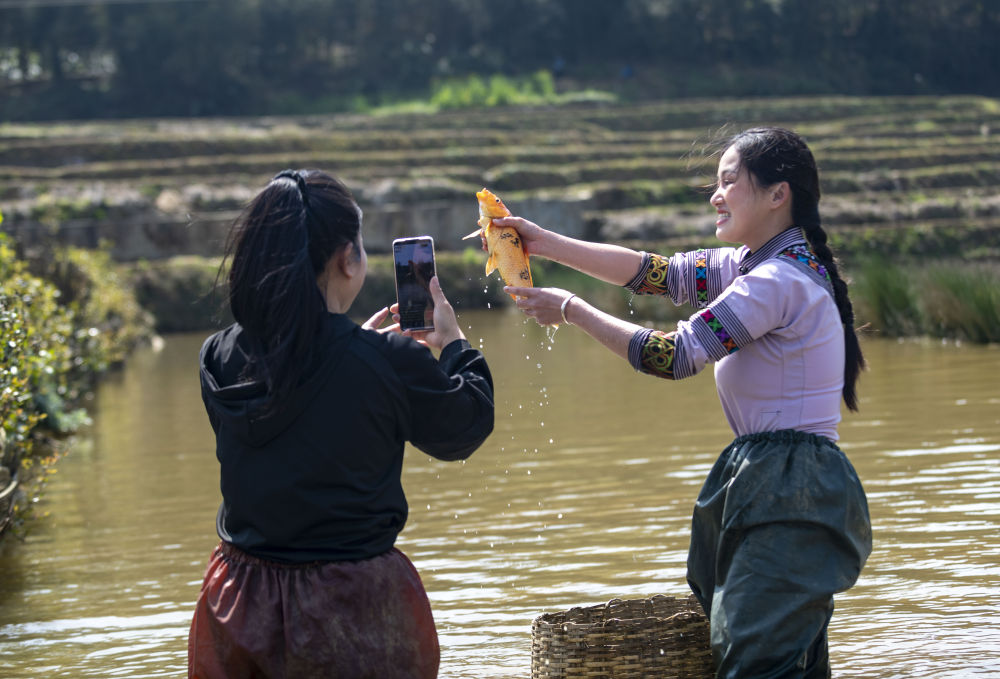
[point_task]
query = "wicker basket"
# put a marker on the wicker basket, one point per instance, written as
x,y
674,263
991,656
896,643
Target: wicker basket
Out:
x,y
660,637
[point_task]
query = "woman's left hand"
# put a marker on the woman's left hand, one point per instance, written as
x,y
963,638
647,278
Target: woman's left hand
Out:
x,y
378,319
542,304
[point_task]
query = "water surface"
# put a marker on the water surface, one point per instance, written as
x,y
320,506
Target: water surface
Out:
x,y
583,493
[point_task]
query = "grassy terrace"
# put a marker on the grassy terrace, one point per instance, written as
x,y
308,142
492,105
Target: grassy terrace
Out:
x,y
903,178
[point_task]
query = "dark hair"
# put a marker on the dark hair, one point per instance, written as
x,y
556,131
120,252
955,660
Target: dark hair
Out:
x,y
772,155
279,245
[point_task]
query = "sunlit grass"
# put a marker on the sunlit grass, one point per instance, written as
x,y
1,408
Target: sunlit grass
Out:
x,y
940,299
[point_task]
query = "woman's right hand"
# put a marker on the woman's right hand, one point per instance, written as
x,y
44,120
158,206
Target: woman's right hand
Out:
x,y
446,329
532,236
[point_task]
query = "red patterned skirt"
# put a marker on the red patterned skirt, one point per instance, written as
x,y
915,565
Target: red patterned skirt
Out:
x,y
349,619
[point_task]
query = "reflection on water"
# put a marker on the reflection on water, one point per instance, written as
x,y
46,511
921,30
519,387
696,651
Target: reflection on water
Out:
x,y
582,494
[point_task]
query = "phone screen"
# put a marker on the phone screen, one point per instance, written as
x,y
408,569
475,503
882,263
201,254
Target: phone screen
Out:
x,y
414,264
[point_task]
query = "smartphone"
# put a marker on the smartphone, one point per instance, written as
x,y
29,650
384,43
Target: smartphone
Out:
x,y
414,264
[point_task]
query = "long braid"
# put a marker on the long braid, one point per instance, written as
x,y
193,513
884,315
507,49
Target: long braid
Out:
x,y
854,361
773,155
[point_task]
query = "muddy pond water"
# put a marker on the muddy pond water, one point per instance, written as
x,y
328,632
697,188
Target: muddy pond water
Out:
x,y
582,494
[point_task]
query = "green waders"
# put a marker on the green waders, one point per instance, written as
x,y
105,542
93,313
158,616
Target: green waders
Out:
x,y
780,525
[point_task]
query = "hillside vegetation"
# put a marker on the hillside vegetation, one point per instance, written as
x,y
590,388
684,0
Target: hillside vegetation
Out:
x,y
902,176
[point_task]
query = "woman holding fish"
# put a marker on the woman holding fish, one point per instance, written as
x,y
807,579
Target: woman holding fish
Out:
x,y
310,413
781,523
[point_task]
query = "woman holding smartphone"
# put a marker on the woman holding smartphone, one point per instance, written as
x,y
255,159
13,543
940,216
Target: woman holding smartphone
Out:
x,y
310,413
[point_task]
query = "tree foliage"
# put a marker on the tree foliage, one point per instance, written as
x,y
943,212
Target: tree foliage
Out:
x,y
206,57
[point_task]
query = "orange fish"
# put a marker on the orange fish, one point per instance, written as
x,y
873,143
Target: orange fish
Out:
x,y
503,243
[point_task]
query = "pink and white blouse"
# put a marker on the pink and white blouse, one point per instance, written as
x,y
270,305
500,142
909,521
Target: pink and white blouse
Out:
x,y
767,319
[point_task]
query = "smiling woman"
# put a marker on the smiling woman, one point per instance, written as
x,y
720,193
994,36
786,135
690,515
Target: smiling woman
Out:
x,y
776,320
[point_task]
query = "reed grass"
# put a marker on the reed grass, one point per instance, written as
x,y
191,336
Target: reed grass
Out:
x,y
962,301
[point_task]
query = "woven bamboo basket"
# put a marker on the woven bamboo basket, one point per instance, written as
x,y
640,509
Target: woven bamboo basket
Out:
x,y
660,637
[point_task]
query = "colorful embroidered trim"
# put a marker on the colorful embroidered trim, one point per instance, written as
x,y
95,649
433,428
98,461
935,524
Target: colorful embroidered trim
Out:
x,y
658,354
720,332
701,276
804,255
655,280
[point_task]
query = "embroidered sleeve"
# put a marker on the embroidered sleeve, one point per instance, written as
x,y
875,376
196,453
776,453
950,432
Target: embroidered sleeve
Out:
x,y
695,278
653,352
750,308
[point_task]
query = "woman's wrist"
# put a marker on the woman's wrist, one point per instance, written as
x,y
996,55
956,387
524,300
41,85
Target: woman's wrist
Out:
x,y
564,307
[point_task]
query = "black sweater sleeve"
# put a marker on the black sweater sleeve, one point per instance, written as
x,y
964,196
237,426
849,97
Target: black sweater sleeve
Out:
x,y
451,400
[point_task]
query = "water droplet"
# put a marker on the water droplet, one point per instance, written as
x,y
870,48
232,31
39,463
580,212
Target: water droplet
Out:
x,y
551,441
560,515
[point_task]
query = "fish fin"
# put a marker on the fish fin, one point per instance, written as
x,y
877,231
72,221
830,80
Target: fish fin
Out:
x,y
477,232
491,263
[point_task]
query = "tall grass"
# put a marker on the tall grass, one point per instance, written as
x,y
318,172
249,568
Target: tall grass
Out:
x,y
963,302
952,299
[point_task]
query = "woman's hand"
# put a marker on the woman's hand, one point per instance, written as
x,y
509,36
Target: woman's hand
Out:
x,y
378,318
532,235
446,328
542,304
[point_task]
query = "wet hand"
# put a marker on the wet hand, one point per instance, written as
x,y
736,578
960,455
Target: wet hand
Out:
x,y
542,304
531,234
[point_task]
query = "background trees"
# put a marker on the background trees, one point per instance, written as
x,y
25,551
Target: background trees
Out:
x,y
83,58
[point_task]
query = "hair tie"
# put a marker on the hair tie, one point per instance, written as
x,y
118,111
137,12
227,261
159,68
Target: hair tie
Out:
x,y
300,181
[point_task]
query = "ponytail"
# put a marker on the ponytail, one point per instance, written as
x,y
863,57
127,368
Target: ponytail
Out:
x,y
279,247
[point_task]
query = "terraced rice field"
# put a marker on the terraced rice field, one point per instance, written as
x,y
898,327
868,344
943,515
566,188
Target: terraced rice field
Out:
x,y
911,175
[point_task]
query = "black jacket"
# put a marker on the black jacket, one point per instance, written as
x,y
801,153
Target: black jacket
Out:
x,y
320,479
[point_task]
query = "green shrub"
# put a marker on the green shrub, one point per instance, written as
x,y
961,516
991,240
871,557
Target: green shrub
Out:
x,y
56,336
181,293
497,90
38,340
